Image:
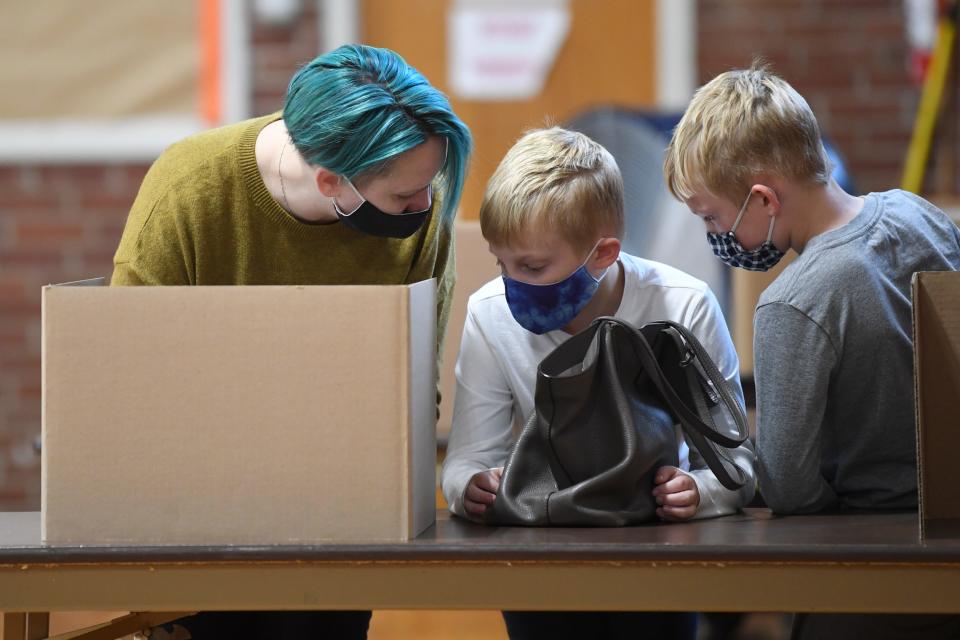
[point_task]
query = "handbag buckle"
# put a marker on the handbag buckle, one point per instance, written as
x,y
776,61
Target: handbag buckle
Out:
x,y
708,387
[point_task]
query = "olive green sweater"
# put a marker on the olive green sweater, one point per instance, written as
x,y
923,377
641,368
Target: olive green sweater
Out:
x,y
203,216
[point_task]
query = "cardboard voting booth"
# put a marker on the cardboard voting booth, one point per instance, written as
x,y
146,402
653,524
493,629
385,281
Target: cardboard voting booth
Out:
x,y
936,343
238,414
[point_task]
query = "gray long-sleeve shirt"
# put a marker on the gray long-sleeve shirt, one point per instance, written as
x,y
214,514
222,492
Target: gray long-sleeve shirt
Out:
x,y
834,360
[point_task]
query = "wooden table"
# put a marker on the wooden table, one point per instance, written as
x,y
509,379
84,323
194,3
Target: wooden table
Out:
x,y
865,562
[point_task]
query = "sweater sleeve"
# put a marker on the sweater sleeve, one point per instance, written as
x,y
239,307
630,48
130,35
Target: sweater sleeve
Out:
x,y
707,323
445,272
793,379
156,246
436,259
481,432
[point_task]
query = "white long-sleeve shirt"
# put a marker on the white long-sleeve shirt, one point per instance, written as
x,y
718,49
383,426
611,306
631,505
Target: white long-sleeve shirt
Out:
x,y
496,375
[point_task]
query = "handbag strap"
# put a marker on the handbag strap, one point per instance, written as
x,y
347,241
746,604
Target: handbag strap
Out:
x,y
577,346
698,362
691,420
573,352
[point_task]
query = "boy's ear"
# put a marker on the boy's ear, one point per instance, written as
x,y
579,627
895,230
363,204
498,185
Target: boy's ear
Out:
x,y
768,198
328,182
608,250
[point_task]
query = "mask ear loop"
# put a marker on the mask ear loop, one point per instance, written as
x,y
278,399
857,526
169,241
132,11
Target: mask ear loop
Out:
x,y
773,219
589,255
743,210
357,208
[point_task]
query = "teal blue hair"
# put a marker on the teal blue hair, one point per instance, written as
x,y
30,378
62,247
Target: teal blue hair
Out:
x,y
354,109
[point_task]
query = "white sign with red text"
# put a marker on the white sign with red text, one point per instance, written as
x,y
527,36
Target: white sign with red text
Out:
x,y
500,51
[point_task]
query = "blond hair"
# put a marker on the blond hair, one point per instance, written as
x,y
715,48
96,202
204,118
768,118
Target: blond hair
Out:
x,y
558,180
742,123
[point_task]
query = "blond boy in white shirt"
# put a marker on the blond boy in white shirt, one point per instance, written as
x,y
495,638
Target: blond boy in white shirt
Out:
x,y
553,217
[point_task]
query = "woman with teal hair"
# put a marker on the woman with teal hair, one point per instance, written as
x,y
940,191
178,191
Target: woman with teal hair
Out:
x,y
356,182
356,109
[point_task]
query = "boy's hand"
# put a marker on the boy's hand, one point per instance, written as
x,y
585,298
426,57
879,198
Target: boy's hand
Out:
x,y
481,492
676,493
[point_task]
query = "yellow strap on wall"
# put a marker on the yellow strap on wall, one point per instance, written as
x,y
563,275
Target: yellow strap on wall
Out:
x,y
926,119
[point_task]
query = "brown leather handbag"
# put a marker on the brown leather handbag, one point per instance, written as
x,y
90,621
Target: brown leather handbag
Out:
x,y
607,403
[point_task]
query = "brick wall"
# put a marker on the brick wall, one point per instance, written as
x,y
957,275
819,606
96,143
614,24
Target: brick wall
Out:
x,y
63,222
57,223
277,53
848,58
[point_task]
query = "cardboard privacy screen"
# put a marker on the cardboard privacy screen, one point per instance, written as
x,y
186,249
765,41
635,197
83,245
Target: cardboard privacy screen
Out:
x,y
936,344
238,415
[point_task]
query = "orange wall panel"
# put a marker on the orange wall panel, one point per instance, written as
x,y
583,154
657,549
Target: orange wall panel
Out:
x,y
607,58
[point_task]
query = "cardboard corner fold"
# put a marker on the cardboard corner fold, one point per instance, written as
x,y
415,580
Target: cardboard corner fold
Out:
x,y
44,299
89,282
423,373
936,341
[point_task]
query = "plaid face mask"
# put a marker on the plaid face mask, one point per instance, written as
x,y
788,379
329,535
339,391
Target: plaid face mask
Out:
x,y
731,252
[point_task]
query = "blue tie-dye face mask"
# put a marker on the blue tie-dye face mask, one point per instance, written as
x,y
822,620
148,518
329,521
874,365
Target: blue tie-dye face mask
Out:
x,y
540,308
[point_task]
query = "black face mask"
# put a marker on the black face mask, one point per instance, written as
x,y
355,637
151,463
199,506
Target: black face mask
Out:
x,y
366,218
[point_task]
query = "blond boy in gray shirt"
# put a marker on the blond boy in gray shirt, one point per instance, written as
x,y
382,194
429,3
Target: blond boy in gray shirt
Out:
x,y
832,334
